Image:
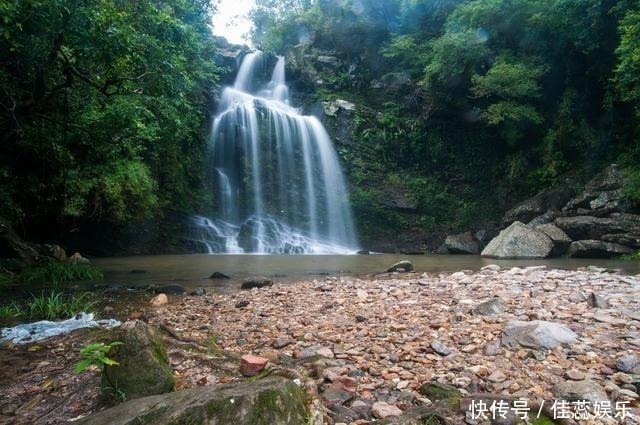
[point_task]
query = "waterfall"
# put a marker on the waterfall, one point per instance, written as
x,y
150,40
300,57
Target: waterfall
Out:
x,y
276,179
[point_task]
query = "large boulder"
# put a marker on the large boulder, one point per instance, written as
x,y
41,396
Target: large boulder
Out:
x,y
551,199
588,227
270,401
519,241
561,241
602,192
598,249
143,365
462,243
537,334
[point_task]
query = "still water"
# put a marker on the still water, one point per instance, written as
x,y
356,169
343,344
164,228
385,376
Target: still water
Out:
x,y
194,270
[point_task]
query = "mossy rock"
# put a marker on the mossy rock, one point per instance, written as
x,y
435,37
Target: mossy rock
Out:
x,y
143,365
270,401
445,395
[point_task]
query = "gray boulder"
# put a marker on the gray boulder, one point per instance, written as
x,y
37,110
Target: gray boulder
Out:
x,y
537,334
598,249
462,243
143,367
527,210
548,217
273,400
519,241
561,241
585,390
602,192
492,307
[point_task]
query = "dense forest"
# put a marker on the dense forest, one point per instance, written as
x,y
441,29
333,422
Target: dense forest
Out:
x,y
463,107
103,112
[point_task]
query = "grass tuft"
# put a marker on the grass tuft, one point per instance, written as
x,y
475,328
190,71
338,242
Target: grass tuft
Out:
x,y
47,306
58,272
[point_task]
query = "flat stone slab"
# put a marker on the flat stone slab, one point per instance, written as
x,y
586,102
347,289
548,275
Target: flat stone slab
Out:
x,y
537,334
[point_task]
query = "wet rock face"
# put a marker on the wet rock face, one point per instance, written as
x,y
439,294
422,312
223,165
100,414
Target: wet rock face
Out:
x,y
553,199
463,243
597,223
519,241
597,249
269,401
561,241
143,367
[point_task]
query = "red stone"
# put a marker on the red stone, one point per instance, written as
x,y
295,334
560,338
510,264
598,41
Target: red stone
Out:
x,y
251,365
344,383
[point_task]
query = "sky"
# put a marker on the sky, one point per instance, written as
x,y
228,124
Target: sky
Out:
x,y
232,20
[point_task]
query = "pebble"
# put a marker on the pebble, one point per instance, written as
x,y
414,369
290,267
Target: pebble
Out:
x,y
574,375
251,365
440,348
159,300
382,410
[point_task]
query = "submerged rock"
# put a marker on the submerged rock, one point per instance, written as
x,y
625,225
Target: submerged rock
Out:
x,y
218,275
401,266
519,241
536,334
171,290
143,366
269,401
256,282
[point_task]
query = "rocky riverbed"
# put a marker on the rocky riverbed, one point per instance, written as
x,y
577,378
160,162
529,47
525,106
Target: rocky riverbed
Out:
x,y
377,347
392,335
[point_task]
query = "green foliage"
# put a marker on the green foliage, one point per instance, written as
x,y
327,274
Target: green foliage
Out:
x,y
632,257
9,313
58,272
56,305
47,306
631,190
96,354
627,71
104,106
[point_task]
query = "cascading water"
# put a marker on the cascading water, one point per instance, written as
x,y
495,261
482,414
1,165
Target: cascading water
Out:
x,y
277,181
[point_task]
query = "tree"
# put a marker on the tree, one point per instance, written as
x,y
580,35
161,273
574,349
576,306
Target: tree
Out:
x,y
102,107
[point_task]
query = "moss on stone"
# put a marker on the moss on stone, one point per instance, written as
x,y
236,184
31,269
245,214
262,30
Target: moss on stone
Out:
x,y
447,394
542,420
